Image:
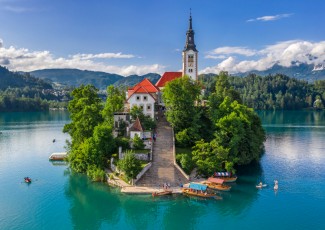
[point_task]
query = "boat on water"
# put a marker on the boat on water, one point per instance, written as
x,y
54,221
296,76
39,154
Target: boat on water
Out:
x,y
58,156
27,179
261,185
162,193
199,190
226,176
216,184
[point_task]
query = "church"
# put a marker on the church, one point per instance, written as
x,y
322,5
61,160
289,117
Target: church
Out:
x,y
189,68
147,95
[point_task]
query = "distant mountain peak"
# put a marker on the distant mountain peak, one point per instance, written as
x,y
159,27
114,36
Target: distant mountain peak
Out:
x,y
319,67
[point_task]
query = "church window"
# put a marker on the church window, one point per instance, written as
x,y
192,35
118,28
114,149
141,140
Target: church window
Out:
x,y
141,106
191,58
148,107
138,98
190,70
145,98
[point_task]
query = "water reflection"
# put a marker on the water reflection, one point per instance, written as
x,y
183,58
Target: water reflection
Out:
x,y
91,204
243,192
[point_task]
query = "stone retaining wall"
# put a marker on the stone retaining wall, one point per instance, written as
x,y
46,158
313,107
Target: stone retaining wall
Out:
x,y
175,163
143,171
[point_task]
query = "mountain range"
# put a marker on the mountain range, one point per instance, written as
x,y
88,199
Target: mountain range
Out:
x,y
308,72
76,77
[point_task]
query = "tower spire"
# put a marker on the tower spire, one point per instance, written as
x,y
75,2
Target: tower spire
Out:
x,y
189,44
190,53
190,22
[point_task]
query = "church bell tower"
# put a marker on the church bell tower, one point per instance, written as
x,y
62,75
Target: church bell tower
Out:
x,y
190,54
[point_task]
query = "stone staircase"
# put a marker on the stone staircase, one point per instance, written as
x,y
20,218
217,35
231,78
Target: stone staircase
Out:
x,y
162,169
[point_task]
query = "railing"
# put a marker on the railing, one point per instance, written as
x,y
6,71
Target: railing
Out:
x,y
143,171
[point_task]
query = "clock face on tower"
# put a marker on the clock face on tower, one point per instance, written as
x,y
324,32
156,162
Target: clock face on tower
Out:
x,y
190,64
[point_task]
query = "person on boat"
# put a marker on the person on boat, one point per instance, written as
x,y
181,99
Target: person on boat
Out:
x,y
260,184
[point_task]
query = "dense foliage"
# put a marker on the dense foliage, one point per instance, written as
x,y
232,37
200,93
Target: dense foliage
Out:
x,y
130,165
232,134
22,92
180,97
92,142
274,91
146,121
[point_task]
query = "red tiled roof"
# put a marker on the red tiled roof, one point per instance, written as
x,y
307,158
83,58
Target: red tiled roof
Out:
x,y
168,76
145,86
137,126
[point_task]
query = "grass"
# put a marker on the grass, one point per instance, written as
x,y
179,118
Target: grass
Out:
x,y
139,150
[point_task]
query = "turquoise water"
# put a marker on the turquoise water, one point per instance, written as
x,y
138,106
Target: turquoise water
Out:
x,y
59,199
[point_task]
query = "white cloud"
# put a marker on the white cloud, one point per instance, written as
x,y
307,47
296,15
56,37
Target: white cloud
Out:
x,y
21,59
226,50
101,56
209,56
282,53
270,17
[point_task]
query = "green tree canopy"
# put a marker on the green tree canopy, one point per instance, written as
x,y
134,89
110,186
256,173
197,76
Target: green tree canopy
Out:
x,y
130,165
114,103
85,113
181,97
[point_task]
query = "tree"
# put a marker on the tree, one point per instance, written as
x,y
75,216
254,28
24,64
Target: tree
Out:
x,y
146,121
209,157
137,142
114,103
130,165
181,97
85,113
318,104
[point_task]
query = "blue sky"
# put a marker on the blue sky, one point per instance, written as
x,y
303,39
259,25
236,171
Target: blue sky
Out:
x,y
137,37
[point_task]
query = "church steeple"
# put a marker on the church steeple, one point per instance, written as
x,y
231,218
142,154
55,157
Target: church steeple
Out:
x,y
190,53
189,44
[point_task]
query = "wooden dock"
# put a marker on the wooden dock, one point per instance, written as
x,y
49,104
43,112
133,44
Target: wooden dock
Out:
x,y
147,190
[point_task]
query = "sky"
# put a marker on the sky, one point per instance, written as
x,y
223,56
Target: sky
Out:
x,y
141,36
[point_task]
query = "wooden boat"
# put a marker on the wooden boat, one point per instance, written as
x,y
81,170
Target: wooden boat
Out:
x,y
261,185
226,176
199,190
162,193
217,184
27,180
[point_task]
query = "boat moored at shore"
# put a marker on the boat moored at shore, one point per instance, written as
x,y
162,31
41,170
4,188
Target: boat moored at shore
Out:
x,y
58,156
199,190
228,177
216,184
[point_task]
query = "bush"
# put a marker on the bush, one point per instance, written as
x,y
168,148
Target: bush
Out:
x,y
123,142
137,142
95,173
186,162
129,165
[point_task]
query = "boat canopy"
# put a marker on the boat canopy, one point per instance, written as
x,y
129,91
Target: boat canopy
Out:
x,y
215,180
198,186
228,174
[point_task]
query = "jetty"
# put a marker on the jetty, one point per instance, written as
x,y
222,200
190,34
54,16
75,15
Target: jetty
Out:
x,y
58,156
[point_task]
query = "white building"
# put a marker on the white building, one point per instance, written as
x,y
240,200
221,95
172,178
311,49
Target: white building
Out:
x,y
144,95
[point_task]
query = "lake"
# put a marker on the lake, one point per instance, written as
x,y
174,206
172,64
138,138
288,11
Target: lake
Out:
x,y
59,199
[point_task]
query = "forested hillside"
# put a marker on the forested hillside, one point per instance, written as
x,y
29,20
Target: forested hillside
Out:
x,y
274,91
20,80
22,92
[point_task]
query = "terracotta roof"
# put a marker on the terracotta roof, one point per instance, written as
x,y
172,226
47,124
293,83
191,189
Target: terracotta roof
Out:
x,y
145,86
167,77
137,126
